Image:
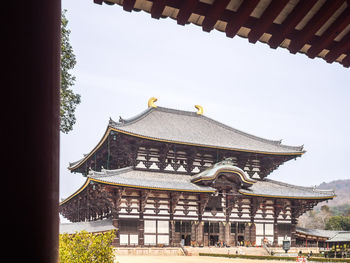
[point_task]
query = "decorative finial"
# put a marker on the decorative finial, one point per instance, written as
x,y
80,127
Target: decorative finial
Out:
x,y
151,102
200,109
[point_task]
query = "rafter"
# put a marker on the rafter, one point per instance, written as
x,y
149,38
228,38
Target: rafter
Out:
x,y
267,18
339,48
330,34
240,17
298,13
185,11
214,14
128,5
314,24
157,8
346,60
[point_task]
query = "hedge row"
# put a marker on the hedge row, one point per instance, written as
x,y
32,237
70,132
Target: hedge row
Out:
x,y
274,258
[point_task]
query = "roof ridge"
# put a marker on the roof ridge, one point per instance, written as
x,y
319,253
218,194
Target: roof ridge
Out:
x,y
123,122
108,173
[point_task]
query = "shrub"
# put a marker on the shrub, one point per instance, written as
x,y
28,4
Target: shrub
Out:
x,y
274,258
84,247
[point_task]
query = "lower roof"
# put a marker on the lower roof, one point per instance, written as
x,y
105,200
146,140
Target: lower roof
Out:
x,y
317,232
272,188
91,227
130,177
331,235
153,180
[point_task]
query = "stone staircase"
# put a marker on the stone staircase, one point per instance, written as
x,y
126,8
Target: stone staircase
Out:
x,y
258,251
149,251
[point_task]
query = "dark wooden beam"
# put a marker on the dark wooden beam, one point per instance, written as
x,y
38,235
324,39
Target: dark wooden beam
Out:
x,y
298,13
185,11
214,14
314,24
346,61
128,5
267,18
240,17
157,8
338,49
330,34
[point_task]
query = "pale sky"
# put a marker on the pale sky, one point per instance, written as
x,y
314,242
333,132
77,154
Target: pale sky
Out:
x,y
125,58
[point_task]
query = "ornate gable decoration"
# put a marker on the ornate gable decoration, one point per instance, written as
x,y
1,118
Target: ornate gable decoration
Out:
x,y
225,175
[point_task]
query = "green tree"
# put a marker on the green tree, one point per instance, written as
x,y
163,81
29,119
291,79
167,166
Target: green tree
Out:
x,y
69,100
84,247
338,223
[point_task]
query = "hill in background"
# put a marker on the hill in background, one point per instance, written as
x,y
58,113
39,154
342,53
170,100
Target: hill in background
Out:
x,y
341,202
324,211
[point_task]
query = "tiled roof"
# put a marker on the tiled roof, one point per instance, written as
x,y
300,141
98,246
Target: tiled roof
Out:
x,y
317,232
187,127
272,188
341,236
148,179
92,226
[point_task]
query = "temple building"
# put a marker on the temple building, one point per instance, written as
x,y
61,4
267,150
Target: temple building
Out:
x,y
166,177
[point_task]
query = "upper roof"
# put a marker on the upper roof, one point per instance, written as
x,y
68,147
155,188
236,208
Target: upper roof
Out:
x,y
314,27
190,128
186,127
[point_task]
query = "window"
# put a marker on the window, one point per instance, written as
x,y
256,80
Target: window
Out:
x,y
177,226
241,228
211,227
183,227
233,228
128,226
150,226
156,232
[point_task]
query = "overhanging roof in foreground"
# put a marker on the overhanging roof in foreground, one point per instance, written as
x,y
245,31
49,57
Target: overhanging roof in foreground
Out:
x,y
318,28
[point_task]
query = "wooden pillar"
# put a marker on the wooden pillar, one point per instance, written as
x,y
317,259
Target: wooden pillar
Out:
x,y
30,118
293,231
141,230
253,234
200,233
193,230
221,232
236,234
275,230
115,222
228,233
171,232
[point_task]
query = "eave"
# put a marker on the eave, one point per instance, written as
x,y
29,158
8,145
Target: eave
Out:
x,y
314,27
